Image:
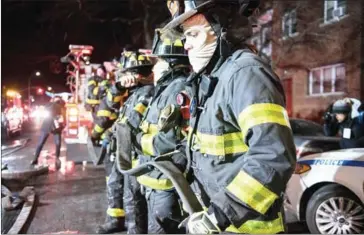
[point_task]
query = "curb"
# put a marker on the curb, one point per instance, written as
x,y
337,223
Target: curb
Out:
x,y
6,174
24,215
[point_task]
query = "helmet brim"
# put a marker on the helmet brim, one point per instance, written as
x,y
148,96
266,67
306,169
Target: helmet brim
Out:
x,y
171,27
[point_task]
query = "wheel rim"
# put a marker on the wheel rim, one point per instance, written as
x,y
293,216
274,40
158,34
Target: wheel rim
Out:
x,y
339,215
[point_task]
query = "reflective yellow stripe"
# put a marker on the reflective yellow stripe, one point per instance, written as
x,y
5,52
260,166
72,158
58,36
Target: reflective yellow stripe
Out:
x,y
103,113
107,179
149,128
98,129
92,82
252,192
231,143
103,136
123,120
140,108
104,83
259,227
257,114
115,212
90,101
113,116
158,184
147,144
95,91
134,163
117,99
109,96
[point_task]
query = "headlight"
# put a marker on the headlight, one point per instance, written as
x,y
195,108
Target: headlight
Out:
x,y
45,114
301,168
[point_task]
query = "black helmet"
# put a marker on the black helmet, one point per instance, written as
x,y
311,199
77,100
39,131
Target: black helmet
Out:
x,y
133,61
168,47
183,10
342,106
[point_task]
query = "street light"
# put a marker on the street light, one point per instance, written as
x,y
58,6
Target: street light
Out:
x,y
37,73
49,88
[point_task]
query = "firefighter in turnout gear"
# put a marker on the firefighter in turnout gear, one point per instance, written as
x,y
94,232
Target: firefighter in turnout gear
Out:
x,y
136,82
162,135
94,93
240,139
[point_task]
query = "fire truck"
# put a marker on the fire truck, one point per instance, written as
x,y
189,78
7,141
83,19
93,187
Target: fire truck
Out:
x,y
79,69
11,113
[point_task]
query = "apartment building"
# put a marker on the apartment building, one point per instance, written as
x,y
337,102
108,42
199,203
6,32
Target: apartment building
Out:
x,y
316,47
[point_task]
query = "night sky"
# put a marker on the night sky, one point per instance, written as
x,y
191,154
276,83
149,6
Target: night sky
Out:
x,y
35,33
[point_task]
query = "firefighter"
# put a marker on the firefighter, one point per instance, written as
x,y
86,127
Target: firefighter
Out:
x,y
137,83
240,138
162,135
95,94
53,124
340,120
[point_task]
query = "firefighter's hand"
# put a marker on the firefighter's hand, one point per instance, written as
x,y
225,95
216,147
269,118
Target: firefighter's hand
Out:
x,y
169,118
329,117
202,223
128,80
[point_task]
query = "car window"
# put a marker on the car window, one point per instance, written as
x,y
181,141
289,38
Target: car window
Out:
x,y
306,128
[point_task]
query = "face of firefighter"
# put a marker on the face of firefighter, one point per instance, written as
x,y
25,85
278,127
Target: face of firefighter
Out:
x,y
159,69
340,117
100,72
201,41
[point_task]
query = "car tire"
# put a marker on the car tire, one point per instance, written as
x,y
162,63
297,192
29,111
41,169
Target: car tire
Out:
x,y
327,211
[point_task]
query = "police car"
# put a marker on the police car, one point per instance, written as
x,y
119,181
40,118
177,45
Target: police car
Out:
x,y
327,192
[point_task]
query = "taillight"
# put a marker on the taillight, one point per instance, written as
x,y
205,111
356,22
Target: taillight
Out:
x,y
301,168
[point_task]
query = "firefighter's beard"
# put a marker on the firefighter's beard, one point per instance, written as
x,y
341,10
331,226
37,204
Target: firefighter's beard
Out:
x,y
203,47
159,69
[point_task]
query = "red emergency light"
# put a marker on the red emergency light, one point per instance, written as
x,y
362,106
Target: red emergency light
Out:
x,y
40,91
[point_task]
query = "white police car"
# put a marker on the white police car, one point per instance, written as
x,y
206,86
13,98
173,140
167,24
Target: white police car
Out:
x,y
327,191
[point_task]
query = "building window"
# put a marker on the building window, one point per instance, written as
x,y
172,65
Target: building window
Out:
x,y
289,23
326,80
334,10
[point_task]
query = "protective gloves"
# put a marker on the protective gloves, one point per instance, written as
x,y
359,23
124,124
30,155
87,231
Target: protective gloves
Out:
x,y
202,223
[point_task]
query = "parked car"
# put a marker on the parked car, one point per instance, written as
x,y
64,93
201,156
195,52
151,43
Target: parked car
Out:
x,y
309,138
327,192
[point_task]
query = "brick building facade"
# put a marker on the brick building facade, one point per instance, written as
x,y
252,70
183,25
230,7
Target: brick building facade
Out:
x,y
316,47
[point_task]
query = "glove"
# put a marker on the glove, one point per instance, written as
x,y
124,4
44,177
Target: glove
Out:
x,y
169,118
327,117
202,223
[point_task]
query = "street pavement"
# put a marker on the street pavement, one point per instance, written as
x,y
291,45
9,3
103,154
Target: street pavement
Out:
x,y
72,198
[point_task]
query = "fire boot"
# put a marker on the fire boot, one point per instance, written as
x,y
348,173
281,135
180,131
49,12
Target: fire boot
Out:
x,y
112,225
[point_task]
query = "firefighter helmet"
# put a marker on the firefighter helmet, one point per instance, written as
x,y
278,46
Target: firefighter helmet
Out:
x,y
342,106
133,61
183,10
168,47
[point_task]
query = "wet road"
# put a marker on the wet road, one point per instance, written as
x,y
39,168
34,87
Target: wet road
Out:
x,y
72,198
